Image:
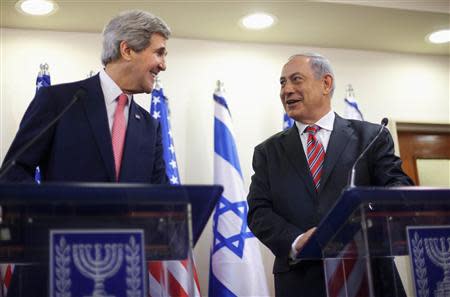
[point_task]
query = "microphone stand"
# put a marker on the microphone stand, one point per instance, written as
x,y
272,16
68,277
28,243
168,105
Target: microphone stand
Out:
x,y
13,160
384,122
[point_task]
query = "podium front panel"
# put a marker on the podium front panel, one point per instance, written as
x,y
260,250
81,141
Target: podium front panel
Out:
x,y
366,229
171,219
377,223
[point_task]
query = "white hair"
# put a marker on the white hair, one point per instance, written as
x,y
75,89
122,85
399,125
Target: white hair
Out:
x,y
319,65
133,26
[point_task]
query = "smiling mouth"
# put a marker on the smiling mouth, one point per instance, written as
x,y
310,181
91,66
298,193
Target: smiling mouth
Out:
x,y
292,101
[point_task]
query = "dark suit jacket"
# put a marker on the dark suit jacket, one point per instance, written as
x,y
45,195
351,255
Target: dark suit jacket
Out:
x,y
283,202
79,147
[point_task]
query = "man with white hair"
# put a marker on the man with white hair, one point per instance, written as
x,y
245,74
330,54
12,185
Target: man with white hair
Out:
x,y
104,136
301,172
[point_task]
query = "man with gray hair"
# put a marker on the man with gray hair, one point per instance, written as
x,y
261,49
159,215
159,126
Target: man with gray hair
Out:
x,y
301,172
103,136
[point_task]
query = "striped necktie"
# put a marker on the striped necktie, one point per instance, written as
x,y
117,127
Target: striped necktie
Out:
x,y
118,132
315,154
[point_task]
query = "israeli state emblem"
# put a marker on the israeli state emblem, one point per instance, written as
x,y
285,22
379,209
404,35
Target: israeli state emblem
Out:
x,y
97,263
429,250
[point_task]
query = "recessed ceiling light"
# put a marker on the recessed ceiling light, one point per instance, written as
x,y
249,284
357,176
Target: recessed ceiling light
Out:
x,y
441,36
36,7
258,21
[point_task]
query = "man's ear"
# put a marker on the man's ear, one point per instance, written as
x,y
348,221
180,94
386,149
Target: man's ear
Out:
x,y
327,84
125,50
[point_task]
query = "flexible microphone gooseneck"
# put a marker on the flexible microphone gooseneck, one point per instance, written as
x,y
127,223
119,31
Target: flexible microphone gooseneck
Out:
x,y
384,123
6,167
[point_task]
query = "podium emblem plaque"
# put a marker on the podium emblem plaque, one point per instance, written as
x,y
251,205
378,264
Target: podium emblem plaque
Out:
x,y
429,250
103,263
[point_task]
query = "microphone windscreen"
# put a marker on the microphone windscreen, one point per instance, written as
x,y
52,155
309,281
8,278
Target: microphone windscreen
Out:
x,y
80,93
384,121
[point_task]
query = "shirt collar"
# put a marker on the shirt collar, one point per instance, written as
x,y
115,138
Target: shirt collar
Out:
x,y
326,123
109,87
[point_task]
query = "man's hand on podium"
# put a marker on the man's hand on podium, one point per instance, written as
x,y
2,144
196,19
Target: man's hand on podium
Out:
x,y
303,239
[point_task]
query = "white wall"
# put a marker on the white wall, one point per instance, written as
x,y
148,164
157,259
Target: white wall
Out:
x,y
402,87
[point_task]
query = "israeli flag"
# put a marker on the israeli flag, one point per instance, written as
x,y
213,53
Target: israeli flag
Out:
x,y
236,264
352,111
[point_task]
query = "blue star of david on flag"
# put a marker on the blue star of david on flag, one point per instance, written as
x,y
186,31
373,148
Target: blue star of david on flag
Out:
x,y
234,246
234,243
159,110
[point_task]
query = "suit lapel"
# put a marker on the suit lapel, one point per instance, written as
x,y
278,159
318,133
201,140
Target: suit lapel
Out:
x,y
339,139
94,105
294,151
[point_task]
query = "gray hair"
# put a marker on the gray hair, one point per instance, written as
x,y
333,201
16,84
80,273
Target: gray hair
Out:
x,y
319,65
133,26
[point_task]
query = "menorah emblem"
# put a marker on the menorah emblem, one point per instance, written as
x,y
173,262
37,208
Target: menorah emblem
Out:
x,y
440,256
99,265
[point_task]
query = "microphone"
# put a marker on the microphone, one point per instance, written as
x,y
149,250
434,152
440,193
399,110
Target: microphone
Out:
x,y
384,123
7,166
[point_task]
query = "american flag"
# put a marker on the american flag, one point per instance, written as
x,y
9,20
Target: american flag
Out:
x,y
7,269
42,80
345,274
168,278
287,122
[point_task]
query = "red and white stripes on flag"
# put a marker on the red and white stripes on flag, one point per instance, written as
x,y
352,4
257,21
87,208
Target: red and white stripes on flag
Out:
x,y
170,279
346,274
6,273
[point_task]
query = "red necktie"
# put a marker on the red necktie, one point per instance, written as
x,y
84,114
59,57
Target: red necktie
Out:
x,y
118,132
315,154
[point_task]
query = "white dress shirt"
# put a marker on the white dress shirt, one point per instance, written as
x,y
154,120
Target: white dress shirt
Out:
x,y
111,93
323,135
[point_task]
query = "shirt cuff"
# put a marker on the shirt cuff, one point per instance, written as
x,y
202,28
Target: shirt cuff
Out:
x,y
293,252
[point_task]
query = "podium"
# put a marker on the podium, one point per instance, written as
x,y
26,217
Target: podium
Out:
x,y
360,236
171,219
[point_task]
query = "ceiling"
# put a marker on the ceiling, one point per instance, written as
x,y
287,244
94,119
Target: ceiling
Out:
x,y
394,26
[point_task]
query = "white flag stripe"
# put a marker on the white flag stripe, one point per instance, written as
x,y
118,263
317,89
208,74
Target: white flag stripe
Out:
x,y
226,175
155,288
222,114
180,273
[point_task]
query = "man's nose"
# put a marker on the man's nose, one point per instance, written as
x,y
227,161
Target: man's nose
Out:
x,y
286,89
162,65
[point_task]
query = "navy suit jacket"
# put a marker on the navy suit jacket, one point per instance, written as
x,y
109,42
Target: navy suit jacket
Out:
x,y
79,147
283,202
